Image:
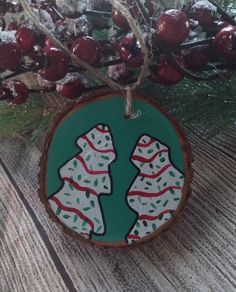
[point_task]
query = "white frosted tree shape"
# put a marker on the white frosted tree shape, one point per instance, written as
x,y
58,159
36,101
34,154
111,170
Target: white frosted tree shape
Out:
x,y
85,177
156,191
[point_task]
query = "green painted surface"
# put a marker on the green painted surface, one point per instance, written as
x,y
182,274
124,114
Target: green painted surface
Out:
x,y
117,215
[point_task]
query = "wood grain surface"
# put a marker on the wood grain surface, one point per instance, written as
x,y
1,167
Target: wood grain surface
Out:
x,y
198,253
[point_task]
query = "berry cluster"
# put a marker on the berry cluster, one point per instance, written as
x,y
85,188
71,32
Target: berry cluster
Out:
x,y
188,42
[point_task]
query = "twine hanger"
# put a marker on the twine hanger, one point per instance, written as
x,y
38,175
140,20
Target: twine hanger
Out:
x,y
135,27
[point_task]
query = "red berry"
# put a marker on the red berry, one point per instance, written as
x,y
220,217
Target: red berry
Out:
x,y
16,92
120,73
202,13
58,64
48,42
26,39
119,20
173,27
71,88
87,50
13,26
130,53
10,56
197,59
225,43
164,73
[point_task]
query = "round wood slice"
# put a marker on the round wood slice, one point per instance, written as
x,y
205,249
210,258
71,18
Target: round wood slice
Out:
x,y
114,181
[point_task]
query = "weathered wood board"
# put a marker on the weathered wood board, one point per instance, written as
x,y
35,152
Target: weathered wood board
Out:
x,y
197,254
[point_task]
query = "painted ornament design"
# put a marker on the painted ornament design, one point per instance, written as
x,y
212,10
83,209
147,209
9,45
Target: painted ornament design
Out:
x,y
156,191
85,177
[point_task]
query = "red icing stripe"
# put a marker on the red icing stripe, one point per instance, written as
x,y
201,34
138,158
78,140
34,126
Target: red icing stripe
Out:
x,y
73,210
79,157
148,160
145,194
102,131
94,148
155,175
78,187
133,236
152,218
146,145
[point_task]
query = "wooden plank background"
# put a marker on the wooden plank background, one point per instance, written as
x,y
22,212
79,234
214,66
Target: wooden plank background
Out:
x,y
197,254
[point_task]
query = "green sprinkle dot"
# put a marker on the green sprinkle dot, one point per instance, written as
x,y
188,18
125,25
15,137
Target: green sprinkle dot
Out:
x,y
58,211
66,216
172,173
86,208
165,203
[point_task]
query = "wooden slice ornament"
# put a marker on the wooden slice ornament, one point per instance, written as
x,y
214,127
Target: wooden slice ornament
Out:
x,y
114,181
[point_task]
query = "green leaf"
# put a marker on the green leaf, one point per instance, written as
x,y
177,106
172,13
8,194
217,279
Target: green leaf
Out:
x,y
71,187
75,218
78,200
92,204
103,179
154,227
79,177
150,151
100,164
67,194
93,136
87,194
75,163
107,138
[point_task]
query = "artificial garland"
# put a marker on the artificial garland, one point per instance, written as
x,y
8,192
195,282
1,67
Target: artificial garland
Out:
x,y
107,37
